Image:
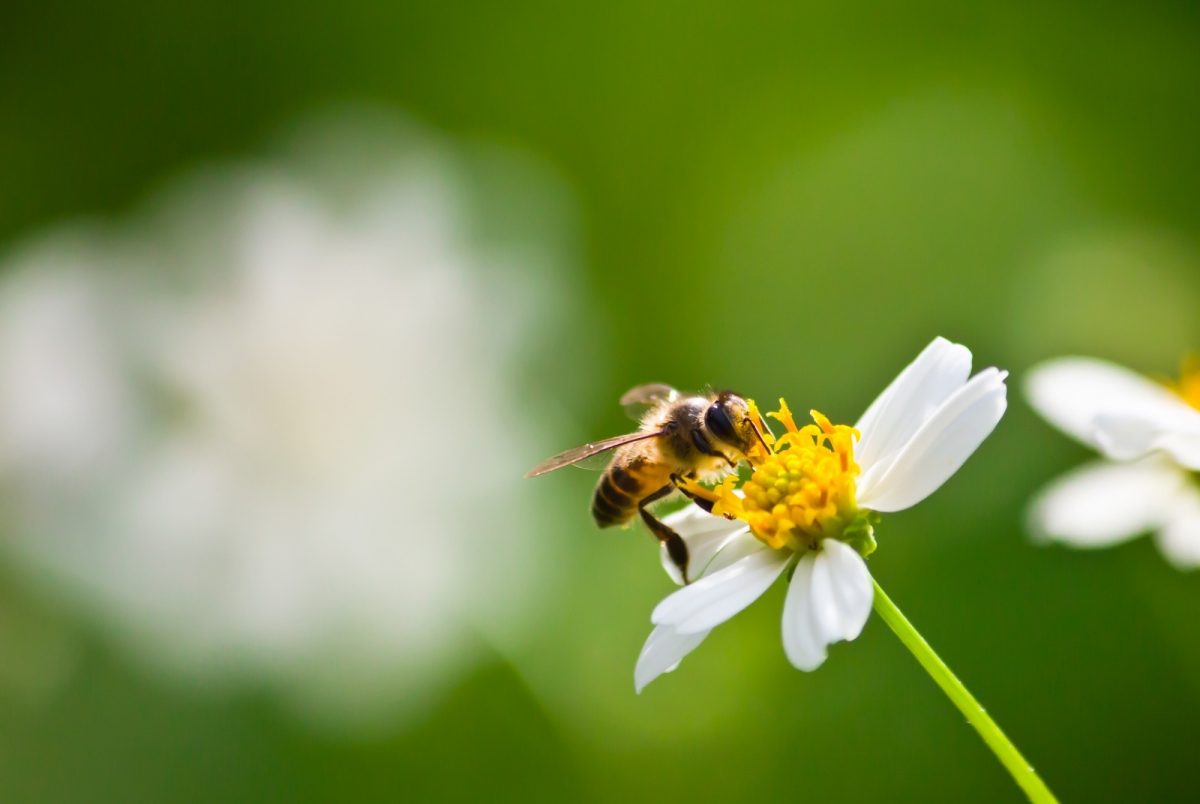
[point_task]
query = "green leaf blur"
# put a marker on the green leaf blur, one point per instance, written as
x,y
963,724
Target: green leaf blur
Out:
x,y
786,199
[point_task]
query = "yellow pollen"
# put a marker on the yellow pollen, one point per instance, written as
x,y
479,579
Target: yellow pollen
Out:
x,y
1188,386
803,490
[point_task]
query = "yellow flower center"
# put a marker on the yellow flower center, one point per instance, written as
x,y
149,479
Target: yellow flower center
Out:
x,y
1188,386
802,491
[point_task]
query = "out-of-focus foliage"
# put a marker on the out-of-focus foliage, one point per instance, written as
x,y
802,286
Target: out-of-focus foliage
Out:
x,y
780,198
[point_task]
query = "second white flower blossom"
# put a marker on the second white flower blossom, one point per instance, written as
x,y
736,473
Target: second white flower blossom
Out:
x,y
1149,436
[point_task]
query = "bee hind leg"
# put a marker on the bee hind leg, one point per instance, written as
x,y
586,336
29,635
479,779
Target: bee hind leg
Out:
x,y
676,547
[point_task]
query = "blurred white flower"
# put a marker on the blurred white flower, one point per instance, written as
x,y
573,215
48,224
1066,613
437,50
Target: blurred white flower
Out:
x,y
812,505
1149,435
270,429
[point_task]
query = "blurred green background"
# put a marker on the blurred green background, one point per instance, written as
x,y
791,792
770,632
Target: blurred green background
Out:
x,y
780,198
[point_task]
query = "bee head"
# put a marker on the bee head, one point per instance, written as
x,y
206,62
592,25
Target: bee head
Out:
x,y
728,420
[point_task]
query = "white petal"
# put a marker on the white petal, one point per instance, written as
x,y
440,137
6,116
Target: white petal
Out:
x,y
852,587
705,535
894,416
1128,436
1103,503
1071,392
715,598
828,600
940,446
693,522
1179,538
826,618
736,547
804,648
663,651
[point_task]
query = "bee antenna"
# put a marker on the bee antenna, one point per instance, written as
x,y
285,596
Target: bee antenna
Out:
x,y
761,440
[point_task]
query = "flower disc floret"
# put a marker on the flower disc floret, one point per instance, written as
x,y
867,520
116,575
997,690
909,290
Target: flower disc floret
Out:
x,y
1188,386
803,491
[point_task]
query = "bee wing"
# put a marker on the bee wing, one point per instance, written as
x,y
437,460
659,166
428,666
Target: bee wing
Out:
x,y
586,451
640,398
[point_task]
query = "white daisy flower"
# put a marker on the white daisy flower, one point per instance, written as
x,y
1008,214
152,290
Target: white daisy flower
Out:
x,y
1149,435
810,505
232,429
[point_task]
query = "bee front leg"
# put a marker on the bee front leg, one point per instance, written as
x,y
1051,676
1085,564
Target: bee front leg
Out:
x,y
706,501
676,547
703,502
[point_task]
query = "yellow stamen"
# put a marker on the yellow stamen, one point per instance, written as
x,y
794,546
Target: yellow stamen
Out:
x,y
784,415
1188,386
803,491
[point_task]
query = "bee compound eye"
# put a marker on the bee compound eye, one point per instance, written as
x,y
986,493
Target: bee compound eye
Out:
x,y
718,422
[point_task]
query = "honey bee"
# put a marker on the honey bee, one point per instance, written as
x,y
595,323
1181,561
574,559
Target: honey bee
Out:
x,y
681,438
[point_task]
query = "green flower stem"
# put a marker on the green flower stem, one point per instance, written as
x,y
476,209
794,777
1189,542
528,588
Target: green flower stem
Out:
x,y
1001,746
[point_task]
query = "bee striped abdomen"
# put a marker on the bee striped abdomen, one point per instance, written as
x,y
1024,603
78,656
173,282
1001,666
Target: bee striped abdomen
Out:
x,y
620,489
610,504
